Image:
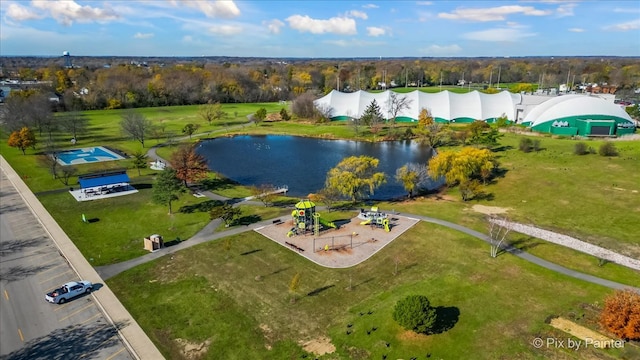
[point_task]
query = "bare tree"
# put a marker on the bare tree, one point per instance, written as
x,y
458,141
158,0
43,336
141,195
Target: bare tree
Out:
x,y
397,103
498,231
264,193
66,172
136,125
74,122
303,106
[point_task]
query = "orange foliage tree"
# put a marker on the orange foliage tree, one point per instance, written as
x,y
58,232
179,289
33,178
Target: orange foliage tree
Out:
x,y
22,139
621,314
189,165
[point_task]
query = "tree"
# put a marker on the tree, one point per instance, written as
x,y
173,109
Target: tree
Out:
x,y
66,172
75,123
189,165
372,116
607,149
226,212
22,139
293,286
430,132
621,314
463,167
136,125
498,231
355,176
415,313
397,104
411,176
303,106
211,112
139,161
482,133
189,129
264,193
260,115
167,188
327,196
284,115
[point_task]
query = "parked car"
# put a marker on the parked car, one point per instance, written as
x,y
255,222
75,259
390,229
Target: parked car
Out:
x,y
68,291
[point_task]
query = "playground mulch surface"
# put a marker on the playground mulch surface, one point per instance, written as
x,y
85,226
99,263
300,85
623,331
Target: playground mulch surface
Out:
x,y
347,246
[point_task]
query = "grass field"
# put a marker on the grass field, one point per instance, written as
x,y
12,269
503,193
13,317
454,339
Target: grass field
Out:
x,y
238,299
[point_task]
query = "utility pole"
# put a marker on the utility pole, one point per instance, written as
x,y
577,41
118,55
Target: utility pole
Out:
x,y
499,72
491,77
440,80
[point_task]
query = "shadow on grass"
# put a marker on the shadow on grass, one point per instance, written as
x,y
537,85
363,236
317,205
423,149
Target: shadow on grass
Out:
x,y
522,244
319,290
247,220
93,220
501,148
251,252
217,184
204,206
142,186
173,242
446,319
284,202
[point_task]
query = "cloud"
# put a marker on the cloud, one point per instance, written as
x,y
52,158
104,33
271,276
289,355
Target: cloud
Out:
x,y
335,25
357,14
578,30
66,12
625,26
565,10
498,35
21,13
446,50
225,29
212,9
498,13
627,10
375,31
370,6
424,3
273,25
143,36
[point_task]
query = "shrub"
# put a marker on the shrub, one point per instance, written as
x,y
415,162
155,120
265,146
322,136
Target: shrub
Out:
x,y
580,149
621,314
526,145
415,313
608,149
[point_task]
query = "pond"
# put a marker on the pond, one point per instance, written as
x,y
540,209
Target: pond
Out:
x,y
302,163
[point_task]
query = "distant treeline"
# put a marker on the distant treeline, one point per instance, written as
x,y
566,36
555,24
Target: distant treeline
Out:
x,y
127,82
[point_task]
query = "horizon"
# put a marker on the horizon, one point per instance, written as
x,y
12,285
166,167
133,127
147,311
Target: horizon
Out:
x,y
320,29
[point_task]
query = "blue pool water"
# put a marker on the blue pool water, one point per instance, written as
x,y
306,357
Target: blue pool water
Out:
x,y
87,155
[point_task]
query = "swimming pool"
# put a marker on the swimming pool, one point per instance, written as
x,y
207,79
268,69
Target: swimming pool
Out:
x,y
87,155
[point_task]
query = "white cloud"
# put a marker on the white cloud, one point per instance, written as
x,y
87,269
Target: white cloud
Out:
x,y
66,12
143,36
498,13
212,9
578,30
357,14
335,25
187,38
424,3
446,50
225,29
626,26
370,6
498,35
21,13
565,10
375,31
273,25
627,10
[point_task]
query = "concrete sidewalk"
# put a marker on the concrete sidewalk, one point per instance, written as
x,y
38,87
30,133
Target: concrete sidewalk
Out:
x,y
139,344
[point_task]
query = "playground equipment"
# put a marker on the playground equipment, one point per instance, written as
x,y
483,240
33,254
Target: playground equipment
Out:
x,y
374,217
305,218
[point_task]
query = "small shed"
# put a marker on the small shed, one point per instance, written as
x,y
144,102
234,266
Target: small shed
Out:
x,y
153,242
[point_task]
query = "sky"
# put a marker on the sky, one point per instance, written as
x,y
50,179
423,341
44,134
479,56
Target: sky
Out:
x,y
320,29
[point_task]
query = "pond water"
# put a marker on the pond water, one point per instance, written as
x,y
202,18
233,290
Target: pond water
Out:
x,y
302,163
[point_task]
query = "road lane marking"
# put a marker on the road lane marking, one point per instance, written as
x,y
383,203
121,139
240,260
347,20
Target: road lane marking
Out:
x,y
76,312
21,336
55,276
114,355
6,294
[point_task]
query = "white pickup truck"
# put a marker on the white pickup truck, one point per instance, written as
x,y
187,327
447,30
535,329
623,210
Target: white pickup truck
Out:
x,y
68,291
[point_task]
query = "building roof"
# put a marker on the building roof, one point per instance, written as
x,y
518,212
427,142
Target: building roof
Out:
x,y
103,179
574,105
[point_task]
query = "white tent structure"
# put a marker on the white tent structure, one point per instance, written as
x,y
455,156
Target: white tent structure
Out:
x,y
443,106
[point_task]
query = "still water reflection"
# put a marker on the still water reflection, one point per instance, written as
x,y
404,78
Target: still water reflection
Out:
x,y
302,163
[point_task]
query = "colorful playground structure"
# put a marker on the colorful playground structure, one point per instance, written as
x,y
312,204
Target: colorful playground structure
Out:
x,y
374,217
306,219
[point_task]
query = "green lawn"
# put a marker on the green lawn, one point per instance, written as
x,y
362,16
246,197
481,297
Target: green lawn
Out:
x,y
496,306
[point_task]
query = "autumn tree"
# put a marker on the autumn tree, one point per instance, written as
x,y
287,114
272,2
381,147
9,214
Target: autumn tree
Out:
x,y
226,212
462,167
430,132
621,314
411,176
264,193
211,112
189,129
22,139
139,161
167,188
136,125
327,196
293,286
189,165
355,177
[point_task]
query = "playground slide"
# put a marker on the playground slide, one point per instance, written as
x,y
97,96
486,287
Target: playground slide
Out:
x,y
326,223
366,222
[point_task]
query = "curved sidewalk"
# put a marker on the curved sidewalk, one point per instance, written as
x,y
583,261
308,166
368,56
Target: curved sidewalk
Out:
x,y
132,334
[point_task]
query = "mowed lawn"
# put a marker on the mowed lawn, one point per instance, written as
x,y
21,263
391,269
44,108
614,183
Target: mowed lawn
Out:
x,y
236,299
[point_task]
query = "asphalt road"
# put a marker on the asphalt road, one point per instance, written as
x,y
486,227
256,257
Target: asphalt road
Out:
x,y
30,266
